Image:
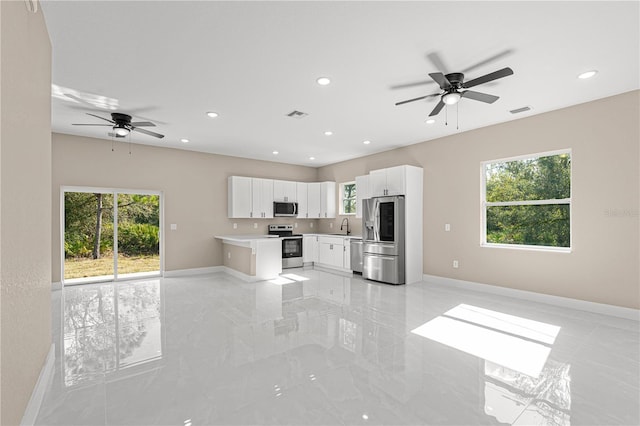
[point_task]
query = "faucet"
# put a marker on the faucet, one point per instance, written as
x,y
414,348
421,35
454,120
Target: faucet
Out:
x,y
346,219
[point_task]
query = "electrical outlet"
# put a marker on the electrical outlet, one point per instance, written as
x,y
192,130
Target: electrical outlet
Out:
x,y
447,227
255,225
174,226
295,224
235,226
331,225
228,255
311,225
455,264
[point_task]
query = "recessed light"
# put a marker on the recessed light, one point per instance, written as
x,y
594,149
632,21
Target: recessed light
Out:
x,y
312,158
587,74
184,140
323,81
366,142
275,153
430,121
212,114
328,133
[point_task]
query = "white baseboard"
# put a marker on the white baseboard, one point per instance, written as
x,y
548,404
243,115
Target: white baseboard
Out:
x,y
242,276
56,286
193,271
37,396
582,305
338,271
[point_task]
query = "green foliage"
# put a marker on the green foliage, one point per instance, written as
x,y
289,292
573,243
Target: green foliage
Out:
x,y
138,238
81,218
544,178
349,198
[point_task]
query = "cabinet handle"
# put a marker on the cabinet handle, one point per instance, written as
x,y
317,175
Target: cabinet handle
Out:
x,y
330,246
251,214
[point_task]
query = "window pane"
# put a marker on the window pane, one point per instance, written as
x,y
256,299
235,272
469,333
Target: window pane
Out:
x,y
542,225
349,191
544,178
349,206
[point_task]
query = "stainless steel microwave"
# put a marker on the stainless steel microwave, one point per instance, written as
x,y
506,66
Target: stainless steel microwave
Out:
x,y
285,208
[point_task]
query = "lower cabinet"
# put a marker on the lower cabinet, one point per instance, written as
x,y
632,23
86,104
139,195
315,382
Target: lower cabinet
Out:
x,y
310,249
327,250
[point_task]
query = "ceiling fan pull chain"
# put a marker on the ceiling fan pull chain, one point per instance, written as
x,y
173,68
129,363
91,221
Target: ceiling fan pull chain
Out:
x,y
446,115
113,138
457,116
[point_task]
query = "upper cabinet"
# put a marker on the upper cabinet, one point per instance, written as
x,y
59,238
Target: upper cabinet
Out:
x,y
391,181
262,198
301,196
328,200
362,193
253,197
284,190
249,197
239,197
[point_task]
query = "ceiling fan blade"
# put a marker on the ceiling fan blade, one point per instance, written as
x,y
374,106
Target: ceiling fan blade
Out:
x,y
441,80
101,118
82,124
142,124
482,97
488,77
148,132
436,60
488,60
437,109
414,84
417,99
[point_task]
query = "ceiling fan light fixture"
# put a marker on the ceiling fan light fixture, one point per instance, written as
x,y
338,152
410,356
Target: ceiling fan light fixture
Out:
x,y
120,130
451,98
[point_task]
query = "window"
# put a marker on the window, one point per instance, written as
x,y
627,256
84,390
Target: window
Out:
x,y
348,198
526,201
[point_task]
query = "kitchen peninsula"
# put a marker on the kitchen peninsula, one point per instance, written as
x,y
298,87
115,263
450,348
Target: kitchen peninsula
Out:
x,y
252,257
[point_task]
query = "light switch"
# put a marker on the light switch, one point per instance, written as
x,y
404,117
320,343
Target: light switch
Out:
x,y
331,225
174,226
311,225
295,225
235,226
255,225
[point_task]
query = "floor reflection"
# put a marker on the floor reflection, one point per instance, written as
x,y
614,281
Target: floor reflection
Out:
x,y
110,327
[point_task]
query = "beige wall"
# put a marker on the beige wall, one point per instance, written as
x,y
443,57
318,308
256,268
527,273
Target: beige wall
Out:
x,y
194,187
239,258
604,138
25,213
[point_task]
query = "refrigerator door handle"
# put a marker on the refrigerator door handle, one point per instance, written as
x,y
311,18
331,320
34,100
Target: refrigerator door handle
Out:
x,y
376,223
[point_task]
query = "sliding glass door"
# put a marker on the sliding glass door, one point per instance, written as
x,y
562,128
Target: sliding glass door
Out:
x,y
110,234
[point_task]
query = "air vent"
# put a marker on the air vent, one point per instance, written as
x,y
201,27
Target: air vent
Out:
x,y
519,110
297,114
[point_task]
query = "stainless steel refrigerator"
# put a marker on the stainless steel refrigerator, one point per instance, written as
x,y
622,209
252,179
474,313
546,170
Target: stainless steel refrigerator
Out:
x,y
383,239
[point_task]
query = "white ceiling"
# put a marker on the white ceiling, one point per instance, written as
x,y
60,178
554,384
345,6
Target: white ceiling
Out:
x,y
254,62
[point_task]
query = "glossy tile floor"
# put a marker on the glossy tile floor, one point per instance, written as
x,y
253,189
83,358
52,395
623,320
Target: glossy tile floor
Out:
x,y
317,348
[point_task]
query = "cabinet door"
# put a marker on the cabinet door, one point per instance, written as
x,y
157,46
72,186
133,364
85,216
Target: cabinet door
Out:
x,y
337,255
290,193
313,199
396,180
279,190
377,183
362,193
328,200
239,197
346,260
301,196
261,198
308,248
315,250
325,253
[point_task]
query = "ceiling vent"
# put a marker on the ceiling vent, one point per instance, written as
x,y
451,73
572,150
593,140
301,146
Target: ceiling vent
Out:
x,y
297,114
519,110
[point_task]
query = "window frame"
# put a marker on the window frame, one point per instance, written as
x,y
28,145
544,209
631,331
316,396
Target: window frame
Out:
x,y
342,199
484,204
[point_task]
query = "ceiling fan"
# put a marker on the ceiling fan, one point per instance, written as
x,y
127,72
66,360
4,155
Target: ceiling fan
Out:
x,y
453,88
122,125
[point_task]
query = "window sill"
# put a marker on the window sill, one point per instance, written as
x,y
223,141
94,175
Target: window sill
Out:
x,y
528,248
347,214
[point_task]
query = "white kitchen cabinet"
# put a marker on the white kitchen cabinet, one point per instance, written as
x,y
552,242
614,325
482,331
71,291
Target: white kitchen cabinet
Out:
x,y
284,190
328,200
346,255
261,198
313,199
309,249
331,251
239,197
362,193
301,196
391,181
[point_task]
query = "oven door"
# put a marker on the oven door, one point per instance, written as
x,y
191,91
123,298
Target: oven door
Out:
x,y
291,252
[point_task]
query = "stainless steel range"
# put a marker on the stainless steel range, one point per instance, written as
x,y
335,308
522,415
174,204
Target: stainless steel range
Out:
x,y
291,245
